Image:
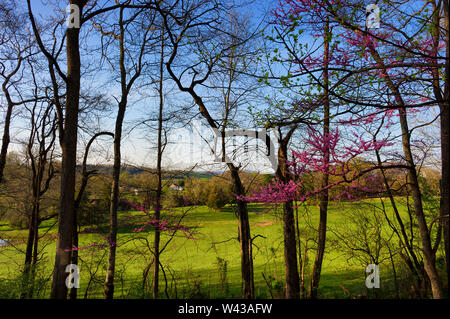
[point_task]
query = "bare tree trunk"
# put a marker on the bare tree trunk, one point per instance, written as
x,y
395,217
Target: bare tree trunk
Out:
x,y
159,173
445,181
35,254
394,272
157,239
74,291
290,240
290,253
428,253
445,141
7,123
43,135
303,266
125,90
300,257
323,196
29,253
69,156
244,235
238,189
156,242
5,140
112,238
444,117
410,258
84,181
429,256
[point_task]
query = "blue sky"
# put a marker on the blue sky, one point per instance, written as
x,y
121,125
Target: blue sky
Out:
x,y
138,148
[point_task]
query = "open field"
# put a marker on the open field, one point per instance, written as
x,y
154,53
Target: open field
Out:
x,y
205,267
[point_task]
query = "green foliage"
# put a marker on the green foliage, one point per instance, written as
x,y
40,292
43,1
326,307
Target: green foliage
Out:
x,y
36,286
430,195
192,267
214,192
18,221
216,198
196,191
222,270
10,288
94,210
173,199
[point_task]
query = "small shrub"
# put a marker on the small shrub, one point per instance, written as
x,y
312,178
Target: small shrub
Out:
x,y
93,213
222,270
216,199
18,221
173,199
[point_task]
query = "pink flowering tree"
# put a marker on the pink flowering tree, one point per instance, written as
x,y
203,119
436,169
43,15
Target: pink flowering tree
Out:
x,y
310,161
407,57
395,69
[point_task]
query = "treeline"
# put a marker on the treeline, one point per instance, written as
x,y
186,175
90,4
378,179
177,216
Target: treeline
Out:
x,y
138,185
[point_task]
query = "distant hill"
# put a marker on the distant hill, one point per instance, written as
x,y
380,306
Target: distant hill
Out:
x,y
132,170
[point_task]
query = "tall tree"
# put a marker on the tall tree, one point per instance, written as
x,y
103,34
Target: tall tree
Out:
x,y
159,153
41,158
392,76
309,88
441,34
85,176
323,196
67,112
126,87
392,58
16,48
202,18
68,132
290,243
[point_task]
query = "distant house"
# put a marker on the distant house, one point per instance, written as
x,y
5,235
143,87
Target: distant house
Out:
x,y
135,191
176,187
4,242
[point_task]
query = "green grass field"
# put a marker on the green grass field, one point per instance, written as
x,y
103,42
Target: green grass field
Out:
x,y
192,266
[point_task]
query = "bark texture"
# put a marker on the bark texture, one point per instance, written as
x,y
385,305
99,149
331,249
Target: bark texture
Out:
x,y
290,239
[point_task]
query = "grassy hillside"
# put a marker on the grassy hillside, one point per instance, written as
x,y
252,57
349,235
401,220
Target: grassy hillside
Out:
x,y
207,266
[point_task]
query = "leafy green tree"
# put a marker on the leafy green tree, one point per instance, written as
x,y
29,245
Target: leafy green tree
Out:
x,y
216,198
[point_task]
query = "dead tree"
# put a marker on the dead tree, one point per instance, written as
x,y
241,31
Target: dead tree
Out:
x,y
68,113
